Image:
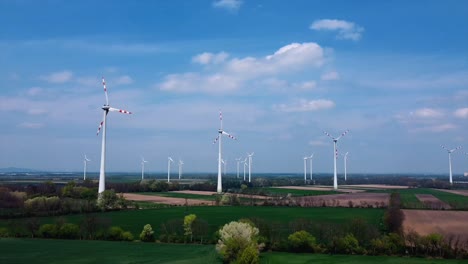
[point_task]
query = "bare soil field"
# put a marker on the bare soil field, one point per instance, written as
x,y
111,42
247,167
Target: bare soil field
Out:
x,y
346,200
165,200
460,192
432,202
375,186
447,223
212,193
318,188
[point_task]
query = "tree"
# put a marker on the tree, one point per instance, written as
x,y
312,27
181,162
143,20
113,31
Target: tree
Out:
x,y
147,234
188,221
235,239
302,241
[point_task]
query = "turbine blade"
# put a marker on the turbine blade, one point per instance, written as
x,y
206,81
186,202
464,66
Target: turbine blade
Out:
x,y
99,128
330,136
444,147
230,136
120,110
170,159
457,148
105,90
343,134
216,140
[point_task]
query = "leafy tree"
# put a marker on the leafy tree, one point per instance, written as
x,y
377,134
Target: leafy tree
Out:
x,y
115,233
69,231
48,231
302,241
147,234
235,238
188,221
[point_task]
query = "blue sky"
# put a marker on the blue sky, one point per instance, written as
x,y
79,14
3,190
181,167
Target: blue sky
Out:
x,y
395,73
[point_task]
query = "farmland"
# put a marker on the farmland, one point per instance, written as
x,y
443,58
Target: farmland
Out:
x,y
72,251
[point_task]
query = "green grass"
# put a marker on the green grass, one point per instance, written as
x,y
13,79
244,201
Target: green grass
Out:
x,y
290,258
182,195
217,216
295,192
409,199
39,251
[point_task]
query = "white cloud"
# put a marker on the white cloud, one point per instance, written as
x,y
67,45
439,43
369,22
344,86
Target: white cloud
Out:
x,y
31,125
210,58
306,106
36,111
427,113
34,91
461,113
306,85
435,128
123,80
231,5
318,143
330,76
234,73
346,30
58,77
88,81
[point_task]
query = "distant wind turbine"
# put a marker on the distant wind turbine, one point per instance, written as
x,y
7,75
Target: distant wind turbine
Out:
x,y
106,108
345,158
219,138
305,169
238,162
180,168
85,161
250,164
143,161
310,161
335,154
224,162
169,160
245,165
450,151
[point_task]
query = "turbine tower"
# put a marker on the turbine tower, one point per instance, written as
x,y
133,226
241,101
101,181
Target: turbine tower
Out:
x,y
250,164
305,169
245,165
238,162
450,151
219,138
224,165
143,161
310,161
335,154
85,161
345,158
169,160
106,108
180,168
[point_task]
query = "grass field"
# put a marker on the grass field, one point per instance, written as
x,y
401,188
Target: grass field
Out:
x,y
217,216
38,251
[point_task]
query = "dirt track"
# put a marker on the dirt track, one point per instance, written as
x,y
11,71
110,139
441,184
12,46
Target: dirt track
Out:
x,y
165,200
317,188
376,186
447,223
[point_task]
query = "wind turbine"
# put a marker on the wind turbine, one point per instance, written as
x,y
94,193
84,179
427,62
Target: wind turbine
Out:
x,y
450,151
219,138
224,163
345,158
310,161
250,163
305,169
143,161
180,168
169,160
245,165
85,161
335,154
106,108
238,162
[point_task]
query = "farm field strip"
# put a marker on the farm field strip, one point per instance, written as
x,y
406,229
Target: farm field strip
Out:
x,y
165,200
297,190
181,195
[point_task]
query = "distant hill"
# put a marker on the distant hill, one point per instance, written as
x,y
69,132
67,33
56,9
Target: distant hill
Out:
x,y
16,170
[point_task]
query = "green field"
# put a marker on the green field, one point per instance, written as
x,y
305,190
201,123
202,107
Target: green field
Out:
x,y
38,251
217,216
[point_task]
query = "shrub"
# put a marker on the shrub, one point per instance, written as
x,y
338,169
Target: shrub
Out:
x,y
147,234
235,238
48,231
302,241
4,232
115,233
188,221
127,236
69,231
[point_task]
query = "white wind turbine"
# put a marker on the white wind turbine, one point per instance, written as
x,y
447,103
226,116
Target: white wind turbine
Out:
x,y
224,162
250,164
345,158
85,162
143,161
106,108
305,169
169,160
238,162
450,151
245,165
310,161
219,138
335,154
180,168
